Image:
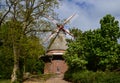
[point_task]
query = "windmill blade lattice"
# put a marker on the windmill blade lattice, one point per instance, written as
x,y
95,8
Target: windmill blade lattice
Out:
x,y
68,32
53,40
67,20
60,27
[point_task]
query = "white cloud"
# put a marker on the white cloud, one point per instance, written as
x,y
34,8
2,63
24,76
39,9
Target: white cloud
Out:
x,y
89,12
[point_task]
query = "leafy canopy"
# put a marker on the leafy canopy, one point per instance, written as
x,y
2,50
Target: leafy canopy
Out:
x,y
97,49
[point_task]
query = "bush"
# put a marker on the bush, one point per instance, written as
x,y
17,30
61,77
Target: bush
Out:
x,y
6,65
34,66
111,77
92,77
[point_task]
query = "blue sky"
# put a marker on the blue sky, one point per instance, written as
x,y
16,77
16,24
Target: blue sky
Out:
x,y
88,12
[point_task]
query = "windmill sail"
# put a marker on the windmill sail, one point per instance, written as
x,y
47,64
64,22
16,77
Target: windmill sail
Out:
x,y
59,43
67,20
54,62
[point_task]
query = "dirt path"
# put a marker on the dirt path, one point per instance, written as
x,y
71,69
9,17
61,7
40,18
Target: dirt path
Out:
x,y
56,79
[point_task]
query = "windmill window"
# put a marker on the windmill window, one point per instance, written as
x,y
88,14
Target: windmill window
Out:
x,y
58,69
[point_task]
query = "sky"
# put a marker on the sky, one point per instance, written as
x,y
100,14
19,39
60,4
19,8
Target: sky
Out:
x,y
88,12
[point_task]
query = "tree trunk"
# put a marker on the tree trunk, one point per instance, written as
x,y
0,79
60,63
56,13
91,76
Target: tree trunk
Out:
x,y
14,77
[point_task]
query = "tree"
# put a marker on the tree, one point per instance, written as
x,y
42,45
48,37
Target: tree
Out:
x,y
74,55
76,33
23,16
29,47
110,27
97,49
110,31
4,10
6,62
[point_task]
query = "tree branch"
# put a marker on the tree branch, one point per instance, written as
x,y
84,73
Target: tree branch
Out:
x,y
37,31
3,17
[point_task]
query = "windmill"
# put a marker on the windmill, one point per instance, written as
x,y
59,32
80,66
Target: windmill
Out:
x,y
54,62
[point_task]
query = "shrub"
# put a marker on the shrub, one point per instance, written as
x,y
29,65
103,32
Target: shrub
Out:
x,y
34,66
6,65
92,77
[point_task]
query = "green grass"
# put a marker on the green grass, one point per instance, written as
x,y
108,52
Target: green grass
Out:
x,y
4,81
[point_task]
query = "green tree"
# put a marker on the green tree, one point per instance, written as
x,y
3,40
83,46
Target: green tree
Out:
x,y
6,62
110,28
29,47
76,32
110,32
97,49
74,55
23,16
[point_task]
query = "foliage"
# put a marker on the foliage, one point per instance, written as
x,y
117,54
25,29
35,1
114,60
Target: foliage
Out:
x,y
76,32
6,62
92,77
97,49
34,66
29,47
18,31
74,56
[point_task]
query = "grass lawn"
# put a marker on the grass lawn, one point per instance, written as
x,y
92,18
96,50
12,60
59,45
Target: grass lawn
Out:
x,y
4,81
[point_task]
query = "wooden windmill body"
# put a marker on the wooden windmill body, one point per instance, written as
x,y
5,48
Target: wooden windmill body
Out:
x,y
54,61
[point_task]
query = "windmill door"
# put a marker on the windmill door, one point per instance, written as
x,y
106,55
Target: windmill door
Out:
x,y
59,66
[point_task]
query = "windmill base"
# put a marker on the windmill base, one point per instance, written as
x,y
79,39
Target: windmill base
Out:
x,y
55,65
